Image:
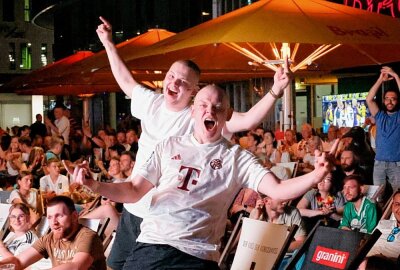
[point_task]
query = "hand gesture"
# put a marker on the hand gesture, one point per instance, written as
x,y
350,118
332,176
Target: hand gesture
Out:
x,y
82,174
388,71
104,31
282,78
325,162
259,203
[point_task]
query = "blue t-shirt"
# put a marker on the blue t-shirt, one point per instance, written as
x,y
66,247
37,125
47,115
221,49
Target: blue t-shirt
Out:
x,y
387,136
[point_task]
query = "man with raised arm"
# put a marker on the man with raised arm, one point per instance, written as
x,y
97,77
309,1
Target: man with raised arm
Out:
x,y
194,179
387,158
165,115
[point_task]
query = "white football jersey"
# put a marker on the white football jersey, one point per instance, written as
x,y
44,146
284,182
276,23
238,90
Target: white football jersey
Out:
x,y
194,186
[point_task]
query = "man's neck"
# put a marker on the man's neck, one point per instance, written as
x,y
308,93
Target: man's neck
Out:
x,y
357,204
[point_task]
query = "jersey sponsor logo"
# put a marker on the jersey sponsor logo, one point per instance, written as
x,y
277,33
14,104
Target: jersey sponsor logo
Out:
x,y
330,257
177,157
216,164
190,178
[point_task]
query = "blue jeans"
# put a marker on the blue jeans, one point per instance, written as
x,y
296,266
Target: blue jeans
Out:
x,y
389,170
125,240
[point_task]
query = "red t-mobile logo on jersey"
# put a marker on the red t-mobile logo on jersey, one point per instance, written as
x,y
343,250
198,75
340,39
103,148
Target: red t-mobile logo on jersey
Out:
x,y
330,257
191,175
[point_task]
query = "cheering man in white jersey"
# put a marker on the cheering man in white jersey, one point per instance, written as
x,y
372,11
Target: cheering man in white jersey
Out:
x,y
194,179
165,115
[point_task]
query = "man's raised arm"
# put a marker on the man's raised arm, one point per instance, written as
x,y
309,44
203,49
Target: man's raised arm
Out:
x,y
289,189
121,73
127,192
252,118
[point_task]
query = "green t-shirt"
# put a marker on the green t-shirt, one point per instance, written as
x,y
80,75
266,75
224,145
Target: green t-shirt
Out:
x,y
364,220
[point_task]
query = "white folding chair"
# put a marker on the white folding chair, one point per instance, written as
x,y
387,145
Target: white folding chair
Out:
x,y
262,245
4,210
95,224
291,167
372,192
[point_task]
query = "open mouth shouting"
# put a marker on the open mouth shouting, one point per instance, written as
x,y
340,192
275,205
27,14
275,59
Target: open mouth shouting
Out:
x,y
209,124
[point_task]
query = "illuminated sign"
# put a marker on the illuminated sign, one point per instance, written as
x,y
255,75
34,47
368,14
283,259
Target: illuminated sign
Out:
x,y
387,7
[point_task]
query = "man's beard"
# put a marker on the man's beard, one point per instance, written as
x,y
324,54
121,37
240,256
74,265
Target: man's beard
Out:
x,y
355,198
348,168
63,233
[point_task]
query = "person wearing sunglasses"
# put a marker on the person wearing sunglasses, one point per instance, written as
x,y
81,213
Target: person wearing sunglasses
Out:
x,y
387,249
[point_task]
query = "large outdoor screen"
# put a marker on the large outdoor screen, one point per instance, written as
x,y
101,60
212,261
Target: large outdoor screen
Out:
x,y
345,110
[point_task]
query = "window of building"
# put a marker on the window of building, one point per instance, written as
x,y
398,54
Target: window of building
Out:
x,y
11,56
26,56
27,10
8,10
43,54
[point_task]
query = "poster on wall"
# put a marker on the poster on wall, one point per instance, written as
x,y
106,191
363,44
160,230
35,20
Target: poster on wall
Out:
x,y
345,110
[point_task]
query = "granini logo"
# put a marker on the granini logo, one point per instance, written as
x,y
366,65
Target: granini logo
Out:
x,y
330,257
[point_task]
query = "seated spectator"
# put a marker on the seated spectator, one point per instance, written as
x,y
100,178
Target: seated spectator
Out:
x,y
309,158
68,244
121,138
359,212
358,143
279,212
132,140
56,147
332,135
13,157
302,146
253,140
288,146
21,236
27,195
244,203
36,161
114,172
322,203
54,183
267,148
388,244
127,162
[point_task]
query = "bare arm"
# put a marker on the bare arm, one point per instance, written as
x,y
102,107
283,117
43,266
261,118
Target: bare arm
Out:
x,y
23,260
304,208
81,261
370,99
127,192
273,187
119,69
252,118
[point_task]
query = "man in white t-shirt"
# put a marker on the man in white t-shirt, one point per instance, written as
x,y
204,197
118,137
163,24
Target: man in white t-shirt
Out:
x,y
194,179
165,115
61,126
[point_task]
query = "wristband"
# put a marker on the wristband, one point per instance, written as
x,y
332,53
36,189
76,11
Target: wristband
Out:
x,y
273,94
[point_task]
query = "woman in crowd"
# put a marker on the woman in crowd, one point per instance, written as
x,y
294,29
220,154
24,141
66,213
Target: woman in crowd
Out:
x,y
267,149
27,195
21,236
322,203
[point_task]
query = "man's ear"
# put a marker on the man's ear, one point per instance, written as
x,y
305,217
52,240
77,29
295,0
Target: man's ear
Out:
x,y
229,114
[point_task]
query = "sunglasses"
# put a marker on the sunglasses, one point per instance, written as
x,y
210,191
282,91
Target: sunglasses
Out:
x,y
391,236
